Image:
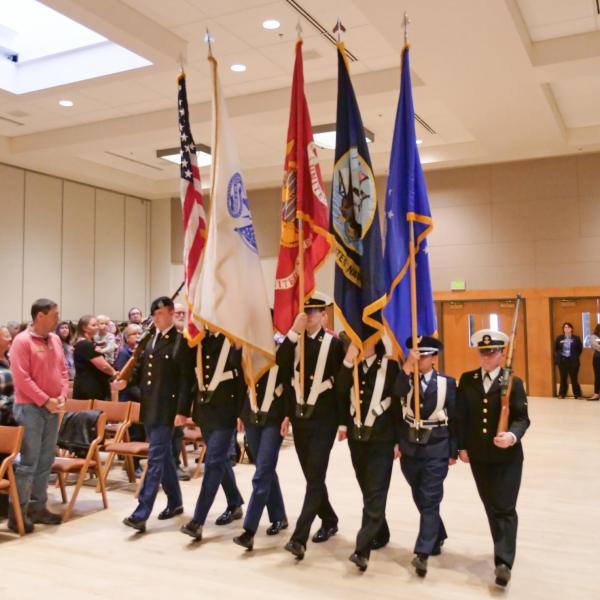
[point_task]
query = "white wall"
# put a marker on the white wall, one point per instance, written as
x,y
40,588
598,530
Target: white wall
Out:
x,y
83,247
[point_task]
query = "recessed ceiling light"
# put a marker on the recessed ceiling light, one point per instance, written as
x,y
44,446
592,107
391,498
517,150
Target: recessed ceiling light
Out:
x,y
324,136
271,24
239,68
173,155
419,141
66,103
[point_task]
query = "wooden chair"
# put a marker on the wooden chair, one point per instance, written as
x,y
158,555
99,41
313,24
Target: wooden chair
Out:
x,y
193,435
117,422
64,465
128,449
10,443
73,405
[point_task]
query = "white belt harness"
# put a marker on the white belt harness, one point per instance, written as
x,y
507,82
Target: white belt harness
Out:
x,y
439,416
377,406
318,385
220,374
271,392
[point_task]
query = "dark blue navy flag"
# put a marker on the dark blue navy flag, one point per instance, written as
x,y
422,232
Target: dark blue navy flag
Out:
x,y
405,203
354,222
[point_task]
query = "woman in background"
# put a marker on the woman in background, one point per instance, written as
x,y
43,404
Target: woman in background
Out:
x,y
567,350
92,372
595,344
63,331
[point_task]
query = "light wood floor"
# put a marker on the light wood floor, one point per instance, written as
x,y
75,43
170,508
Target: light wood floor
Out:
x,y
94,556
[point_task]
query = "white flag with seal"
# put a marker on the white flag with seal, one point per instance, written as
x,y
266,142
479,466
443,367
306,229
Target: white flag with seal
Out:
x,y
231,295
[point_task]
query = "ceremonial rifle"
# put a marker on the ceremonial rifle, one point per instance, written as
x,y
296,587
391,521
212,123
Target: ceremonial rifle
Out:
x,y
127,371
507,373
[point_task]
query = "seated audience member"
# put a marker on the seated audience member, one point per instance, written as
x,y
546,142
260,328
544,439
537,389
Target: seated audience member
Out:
x,y
92,372
104,340
14,327
135,316
595,344
179,317
7,391
63,331
130,337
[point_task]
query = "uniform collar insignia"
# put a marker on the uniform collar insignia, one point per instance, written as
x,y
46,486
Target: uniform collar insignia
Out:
x,y
476,376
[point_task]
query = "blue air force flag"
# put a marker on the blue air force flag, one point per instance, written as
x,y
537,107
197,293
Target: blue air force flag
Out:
x,y
405,203
354,221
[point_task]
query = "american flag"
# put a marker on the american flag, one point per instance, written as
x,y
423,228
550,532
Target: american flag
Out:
x,y
192,206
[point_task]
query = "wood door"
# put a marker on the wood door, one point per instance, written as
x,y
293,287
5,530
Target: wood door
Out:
x,y
583,314
461,319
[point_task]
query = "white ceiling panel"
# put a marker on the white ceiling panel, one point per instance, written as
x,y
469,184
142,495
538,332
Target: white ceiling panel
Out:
x,y
578,101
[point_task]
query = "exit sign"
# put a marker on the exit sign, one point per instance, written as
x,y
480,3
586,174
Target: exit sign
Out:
x,y
457,285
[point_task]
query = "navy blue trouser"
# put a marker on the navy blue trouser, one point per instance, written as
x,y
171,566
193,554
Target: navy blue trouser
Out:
x,y
161,470
426,479
264,443
217,471
372,463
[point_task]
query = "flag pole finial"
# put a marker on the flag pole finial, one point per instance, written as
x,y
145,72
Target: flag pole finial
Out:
x,y
181,63
209,39
405,24
299,29
339,29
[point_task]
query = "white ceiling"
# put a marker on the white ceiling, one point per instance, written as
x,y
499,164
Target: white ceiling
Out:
x,y
497,80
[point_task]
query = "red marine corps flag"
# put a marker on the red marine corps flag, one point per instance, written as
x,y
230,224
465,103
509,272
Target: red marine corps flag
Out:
x,y
304,211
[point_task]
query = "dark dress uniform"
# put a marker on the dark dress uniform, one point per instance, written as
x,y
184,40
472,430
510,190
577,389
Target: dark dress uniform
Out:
x,y
315,427
497,471
425,464
567,352
216,411
264,438
371,444
165,376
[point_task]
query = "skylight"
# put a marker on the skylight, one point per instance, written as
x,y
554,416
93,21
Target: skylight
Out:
x,y
41,48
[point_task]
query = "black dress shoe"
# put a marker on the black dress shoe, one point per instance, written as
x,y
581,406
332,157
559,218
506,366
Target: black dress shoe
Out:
x,y
377,544
437,549
360,561
193,529
27,524
502,573
169,513
245,540
296,548
277,526
419,562
138,525
324,533
45,517
233,513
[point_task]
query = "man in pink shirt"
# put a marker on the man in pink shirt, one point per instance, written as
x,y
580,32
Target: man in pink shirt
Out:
x,y
41,382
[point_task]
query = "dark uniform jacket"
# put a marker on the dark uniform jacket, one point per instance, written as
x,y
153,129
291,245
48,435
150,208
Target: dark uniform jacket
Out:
x,y
283,405
384,428
226,401
329,407
444,440
165,376
478,415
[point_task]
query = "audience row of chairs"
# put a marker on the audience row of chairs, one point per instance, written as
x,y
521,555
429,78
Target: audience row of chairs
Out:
x,y
112,423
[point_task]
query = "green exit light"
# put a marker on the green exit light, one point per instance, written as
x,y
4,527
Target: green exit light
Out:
x,y
458,285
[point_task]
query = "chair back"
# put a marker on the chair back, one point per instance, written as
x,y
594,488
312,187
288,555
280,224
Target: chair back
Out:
x,y
73,405
134,415
116,412
10,439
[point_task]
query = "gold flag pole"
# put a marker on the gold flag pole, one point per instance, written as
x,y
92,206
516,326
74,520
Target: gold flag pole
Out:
x,y
413,289
338,30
